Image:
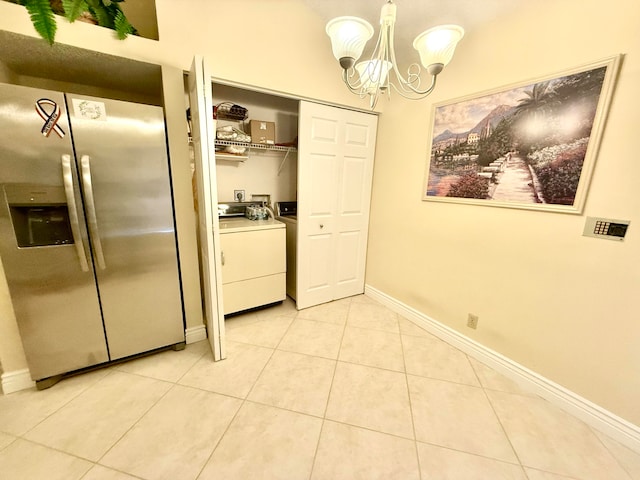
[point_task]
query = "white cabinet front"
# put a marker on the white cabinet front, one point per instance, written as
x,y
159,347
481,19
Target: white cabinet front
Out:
x,y
253,268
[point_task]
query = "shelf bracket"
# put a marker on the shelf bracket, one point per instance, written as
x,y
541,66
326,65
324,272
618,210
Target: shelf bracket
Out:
x,y
283,161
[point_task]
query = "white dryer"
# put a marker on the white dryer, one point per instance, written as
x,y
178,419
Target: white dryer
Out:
x,y
287,213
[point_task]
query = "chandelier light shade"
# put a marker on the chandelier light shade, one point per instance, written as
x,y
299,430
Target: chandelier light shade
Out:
x,y
437,44
374,77
348,35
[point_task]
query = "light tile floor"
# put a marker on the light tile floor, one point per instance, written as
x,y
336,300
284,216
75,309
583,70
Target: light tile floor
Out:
x,y
346,390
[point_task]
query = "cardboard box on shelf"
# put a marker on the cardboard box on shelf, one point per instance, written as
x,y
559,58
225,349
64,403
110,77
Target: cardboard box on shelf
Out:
x,y
262,132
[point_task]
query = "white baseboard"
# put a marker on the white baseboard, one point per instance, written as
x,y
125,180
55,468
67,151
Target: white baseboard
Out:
x,y
16,381
610,424
195,334
21,379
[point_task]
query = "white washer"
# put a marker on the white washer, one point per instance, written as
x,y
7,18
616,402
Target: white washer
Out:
x,y
253,257
286,212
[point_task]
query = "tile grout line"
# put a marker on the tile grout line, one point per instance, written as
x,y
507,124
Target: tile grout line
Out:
x,y
138,420
473,454
81,392
112,469
56,449
504,430
337,359
613,455
175,384
217,444
243,402
255,344
13,439
413,421
341,422
194,363
315,452
109,371
326,406
274,349
69,454
479,386
352,362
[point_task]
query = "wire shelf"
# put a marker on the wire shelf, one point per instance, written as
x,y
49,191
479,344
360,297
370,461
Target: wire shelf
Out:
x,y
256,146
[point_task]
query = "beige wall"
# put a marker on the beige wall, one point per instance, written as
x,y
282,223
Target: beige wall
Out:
x,y
561,304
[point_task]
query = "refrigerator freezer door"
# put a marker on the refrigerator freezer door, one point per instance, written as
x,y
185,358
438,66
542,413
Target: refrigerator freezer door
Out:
x,y
43,238
122,155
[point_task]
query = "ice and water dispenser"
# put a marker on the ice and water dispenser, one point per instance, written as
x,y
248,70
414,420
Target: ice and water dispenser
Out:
x,y
39,215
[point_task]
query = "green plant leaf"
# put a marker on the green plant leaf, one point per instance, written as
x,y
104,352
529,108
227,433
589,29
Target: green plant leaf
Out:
x,y
102,14
74,8
122,26
43,19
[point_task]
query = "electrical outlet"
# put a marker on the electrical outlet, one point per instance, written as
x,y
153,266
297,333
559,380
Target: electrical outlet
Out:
x,y
472,321
238,195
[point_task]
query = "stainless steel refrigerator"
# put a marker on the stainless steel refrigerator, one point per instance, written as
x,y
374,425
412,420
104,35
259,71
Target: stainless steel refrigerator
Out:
x,y
87,235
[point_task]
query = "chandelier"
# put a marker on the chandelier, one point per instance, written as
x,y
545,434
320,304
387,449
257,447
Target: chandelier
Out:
x,y
374,76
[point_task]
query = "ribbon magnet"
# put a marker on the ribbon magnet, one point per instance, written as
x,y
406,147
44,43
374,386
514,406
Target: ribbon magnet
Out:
x,y
50,119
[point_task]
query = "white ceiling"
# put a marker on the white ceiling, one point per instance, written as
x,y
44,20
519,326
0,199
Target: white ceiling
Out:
x,y
416,16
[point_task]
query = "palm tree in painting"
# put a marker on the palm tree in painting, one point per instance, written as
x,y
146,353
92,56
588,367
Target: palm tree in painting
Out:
x,y
539,99
532,114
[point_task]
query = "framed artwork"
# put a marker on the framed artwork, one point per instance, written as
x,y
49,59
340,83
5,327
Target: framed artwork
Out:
x,y
532,145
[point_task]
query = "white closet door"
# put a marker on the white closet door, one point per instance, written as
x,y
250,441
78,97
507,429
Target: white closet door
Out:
x,y
335,170
203,126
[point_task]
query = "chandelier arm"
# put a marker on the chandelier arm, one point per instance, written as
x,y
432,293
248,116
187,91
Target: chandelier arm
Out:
x,y
356,88
408,87
382,56
416,95
378,50
379,55
387,53
394,62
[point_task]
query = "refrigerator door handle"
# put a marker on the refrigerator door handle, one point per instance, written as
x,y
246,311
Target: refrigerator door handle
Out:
x,y
92,220
67,178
